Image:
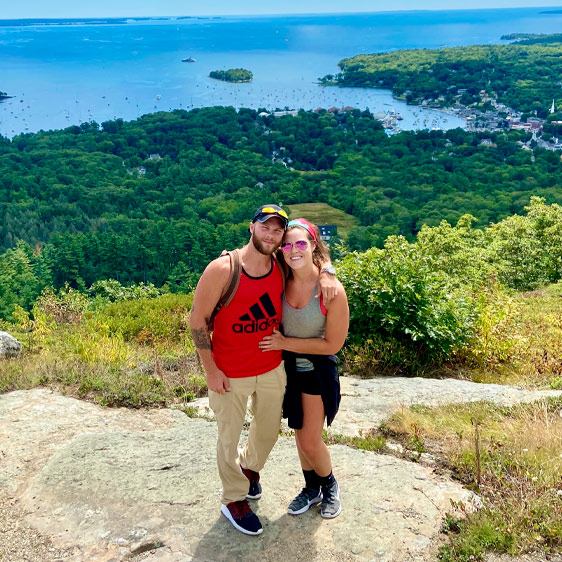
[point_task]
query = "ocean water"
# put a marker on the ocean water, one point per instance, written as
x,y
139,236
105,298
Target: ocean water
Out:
x,y
60,75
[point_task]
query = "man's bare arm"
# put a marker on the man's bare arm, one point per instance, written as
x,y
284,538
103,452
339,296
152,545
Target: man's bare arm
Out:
x,y
207,295
327,284
201,338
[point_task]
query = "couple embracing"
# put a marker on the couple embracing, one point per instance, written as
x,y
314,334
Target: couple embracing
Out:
x,y
274,342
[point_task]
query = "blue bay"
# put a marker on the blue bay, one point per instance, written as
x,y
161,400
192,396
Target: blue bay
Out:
x,y
60,75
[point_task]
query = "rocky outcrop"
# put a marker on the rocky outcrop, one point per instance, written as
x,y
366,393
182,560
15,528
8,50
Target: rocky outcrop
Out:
x,y
120,484
9,346
104,484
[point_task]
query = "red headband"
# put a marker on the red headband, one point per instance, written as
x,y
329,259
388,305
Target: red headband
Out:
x,y
303,223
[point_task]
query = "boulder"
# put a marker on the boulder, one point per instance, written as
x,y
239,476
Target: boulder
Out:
x,y
9,346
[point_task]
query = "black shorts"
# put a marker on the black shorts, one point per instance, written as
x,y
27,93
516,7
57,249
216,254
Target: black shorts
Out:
x,y
309,382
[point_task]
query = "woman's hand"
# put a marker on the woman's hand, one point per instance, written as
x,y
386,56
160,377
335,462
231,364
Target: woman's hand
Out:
x,y
273,342
328,287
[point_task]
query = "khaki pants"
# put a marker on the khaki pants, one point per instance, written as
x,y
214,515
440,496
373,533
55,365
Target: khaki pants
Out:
x,y
266,392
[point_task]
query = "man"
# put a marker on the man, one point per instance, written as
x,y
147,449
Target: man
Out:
x,y
235,366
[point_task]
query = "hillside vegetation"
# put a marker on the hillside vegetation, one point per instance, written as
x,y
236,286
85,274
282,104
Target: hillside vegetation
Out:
x,y
415,307
154,200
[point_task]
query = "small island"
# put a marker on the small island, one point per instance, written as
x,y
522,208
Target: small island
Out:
x,y
237,75
4,96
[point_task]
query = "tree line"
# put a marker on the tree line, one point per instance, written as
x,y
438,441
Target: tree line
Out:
x,y
153,200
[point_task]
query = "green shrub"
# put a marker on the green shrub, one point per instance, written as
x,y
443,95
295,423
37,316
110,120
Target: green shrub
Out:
x,y
64,306
148,320
458,251
395,295
526,250
113,291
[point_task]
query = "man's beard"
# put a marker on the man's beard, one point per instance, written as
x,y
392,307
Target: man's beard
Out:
x,y
266,251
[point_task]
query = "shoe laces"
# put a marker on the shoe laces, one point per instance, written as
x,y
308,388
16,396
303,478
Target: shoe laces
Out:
x,y
330,492
239,509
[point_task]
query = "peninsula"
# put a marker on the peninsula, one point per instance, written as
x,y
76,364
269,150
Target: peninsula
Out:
x,y
524,76
237,75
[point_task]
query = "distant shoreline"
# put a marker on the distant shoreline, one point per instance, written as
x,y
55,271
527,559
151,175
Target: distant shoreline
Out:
x,y
48,22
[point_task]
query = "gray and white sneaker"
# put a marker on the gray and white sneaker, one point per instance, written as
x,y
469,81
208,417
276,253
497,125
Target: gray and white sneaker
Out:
x,y
304,500
331,504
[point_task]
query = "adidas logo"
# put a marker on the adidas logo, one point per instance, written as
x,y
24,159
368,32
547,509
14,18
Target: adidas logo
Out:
x,y
259,319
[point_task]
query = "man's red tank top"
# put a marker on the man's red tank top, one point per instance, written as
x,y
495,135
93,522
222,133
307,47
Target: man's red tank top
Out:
x,y
239,327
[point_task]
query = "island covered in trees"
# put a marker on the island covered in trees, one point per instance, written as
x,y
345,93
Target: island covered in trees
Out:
x,y
232,75
3,96
524,75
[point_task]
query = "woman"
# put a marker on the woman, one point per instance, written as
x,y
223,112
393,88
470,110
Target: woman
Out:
x,y
312,334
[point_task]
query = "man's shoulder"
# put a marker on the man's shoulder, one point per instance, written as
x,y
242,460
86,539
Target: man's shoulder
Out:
x,y
222,262
218,269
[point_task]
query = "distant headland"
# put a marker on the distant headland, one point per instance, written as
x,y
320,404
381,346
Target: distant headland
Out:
x,y
4,96
483,76
232,75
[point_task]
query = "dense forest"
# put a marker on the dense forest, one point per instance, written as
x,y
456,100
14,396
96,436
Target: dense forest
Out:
x,y
155,199
232,75
524,75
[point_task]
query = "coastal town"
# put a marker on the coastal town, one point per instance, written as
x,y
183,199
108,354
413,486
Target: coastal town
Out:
x,y
497,117
489,116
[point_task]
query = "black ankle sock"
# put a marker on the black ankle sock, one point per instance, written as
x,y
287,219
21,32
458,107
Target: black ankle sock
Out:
x,y
326,481
311,479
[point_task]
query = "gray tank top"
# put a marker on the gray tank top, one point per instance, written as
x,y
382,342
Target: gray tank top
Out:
x,y
306,322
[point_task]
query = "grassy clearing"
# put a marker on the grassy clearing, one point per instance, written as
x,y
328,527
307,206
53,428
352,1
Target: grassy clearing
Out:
x,y
322,213
132,353
512,457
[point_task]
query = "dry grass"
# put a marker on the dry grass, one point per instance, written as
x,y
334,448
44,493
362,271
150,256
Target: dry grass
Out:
x,y
525,346
516,467
143,379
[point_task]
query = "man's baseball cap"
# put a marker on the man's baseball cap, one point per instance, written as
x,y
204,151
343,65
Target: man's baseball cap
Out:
x,y
265,212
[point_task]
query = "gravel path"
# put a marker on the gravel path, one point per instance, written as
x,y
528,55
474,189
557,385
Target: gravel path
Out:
x,y
19,542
